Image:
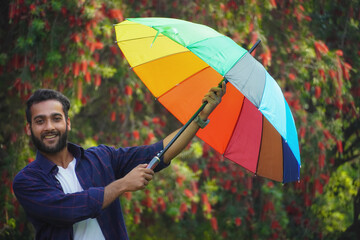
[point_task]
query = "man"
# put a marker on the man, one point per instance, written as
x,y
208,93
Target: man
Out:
x,y
72,193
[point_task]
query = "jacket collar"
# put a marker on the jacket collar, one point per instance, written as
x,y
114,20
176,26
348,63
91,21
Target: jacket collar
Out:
x,y
47,166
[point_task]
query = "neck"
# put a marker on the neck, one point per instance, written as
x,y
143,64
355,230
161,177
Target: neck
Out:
x,y
62,158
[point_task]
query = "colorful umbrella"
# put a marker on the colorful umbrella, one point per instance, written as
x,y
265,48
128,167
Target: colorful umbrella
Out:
x,y
180,61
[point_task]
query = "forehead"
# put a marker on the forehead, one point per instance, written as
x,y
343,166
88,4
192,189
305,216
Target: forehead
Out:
x,y
46,108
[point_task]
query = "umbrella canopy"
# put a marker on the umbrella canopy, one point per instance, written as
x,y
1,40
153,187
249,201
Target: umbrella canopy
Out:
x,y
180,61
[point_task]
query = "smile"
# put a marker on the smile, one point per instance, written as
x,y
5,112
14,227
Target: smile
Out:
x,y
50,136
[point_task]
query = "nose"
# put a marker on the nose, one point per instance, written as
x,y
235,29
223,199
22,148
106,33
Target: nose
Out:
x,y
49,125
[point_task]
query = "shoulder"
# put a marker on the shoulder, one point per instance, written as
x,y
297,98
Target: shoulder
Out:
x,y
100,150
27,175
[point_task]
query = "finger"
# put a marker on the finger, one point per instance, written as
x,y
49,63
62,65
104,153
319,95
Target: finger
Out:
x,y
218,91
143,165
144,184
148,176
213,97
149,171
223,88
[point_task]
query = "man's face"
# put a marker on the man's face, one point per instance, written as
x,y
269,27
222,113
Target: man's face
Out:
x,y
48,128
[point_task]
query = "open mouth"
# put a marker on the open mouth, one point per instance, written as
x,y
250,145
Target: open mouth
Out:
x,y
50,136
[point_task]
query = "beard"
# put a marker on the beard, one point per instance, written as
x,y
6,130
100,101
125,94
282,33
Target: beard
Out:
x,y
60,145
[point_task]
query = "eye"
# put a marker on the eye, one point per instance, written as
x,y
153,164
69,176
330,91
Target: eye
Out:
x,y
39,121
57,119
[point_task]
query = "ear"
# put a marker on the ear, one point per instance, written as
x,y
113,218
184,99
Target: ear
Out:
x,y
68,124
28,129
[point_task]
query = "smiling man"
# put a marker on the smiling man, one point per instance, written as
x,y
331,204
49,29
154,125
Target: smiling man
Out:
x,y
73,193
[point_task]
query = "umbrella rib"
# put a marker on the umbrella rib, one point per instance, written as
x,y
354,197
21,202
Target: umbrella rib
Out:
x,y
139,38
152,60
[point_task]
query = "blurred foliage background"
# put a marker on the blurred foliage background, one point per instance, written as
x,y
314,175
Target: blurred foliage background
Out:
x,y
310,47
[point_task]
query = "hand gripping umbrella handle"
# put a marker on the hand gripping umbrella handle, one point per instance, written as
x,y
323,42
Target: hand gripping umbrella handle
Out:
x,y
155,161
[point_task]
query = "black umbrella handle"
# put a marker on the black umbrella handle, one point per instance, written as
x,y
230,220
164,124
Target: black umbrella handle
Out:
x,y
155,161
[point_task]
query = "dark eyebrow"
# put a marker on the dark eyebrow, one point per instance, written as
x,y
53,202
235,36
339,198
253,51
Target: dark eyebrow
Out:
x,y
52,115
56,114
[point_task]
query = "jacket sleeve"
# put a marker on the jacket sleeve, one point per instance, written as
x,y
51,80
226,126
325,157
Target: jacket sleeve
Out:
x,y
123,160
46,202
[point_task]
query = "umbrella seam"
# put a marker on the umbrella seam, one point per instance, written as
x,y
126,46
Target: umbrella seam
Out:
x,y
261,139
128,40
213,38
237,122
187,79
152,60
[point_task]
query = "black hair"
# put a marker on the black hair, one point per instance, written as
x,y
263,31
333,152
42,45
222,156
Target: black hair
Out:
x,y
47,94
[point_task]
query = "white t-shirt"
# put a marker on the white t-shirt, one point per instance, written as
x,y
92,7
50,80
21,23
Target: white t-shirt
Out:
x,y
88,228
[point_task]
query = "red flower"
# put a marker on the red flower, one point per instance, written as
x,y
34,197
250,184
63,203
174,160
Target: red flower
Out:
x,y
339,53
136,134
75,37
321,160
136,218
76,69
318,187
320,48
113,116
266,57
180,180
214,224
64,11
156,120
302,132
273,3
87,77
32,68
346,68
79,88
128,195
83,67
162,204
292,76
206,203
138,106
275,225
238,221
251,211
32,7
183,208
339,146
116,14
97,80
188,193
128,90
322,74
114,50
99,45
193,208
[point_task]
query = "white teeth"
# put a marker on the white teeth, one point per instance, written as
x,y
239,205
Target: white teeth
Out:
x,y
50,136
